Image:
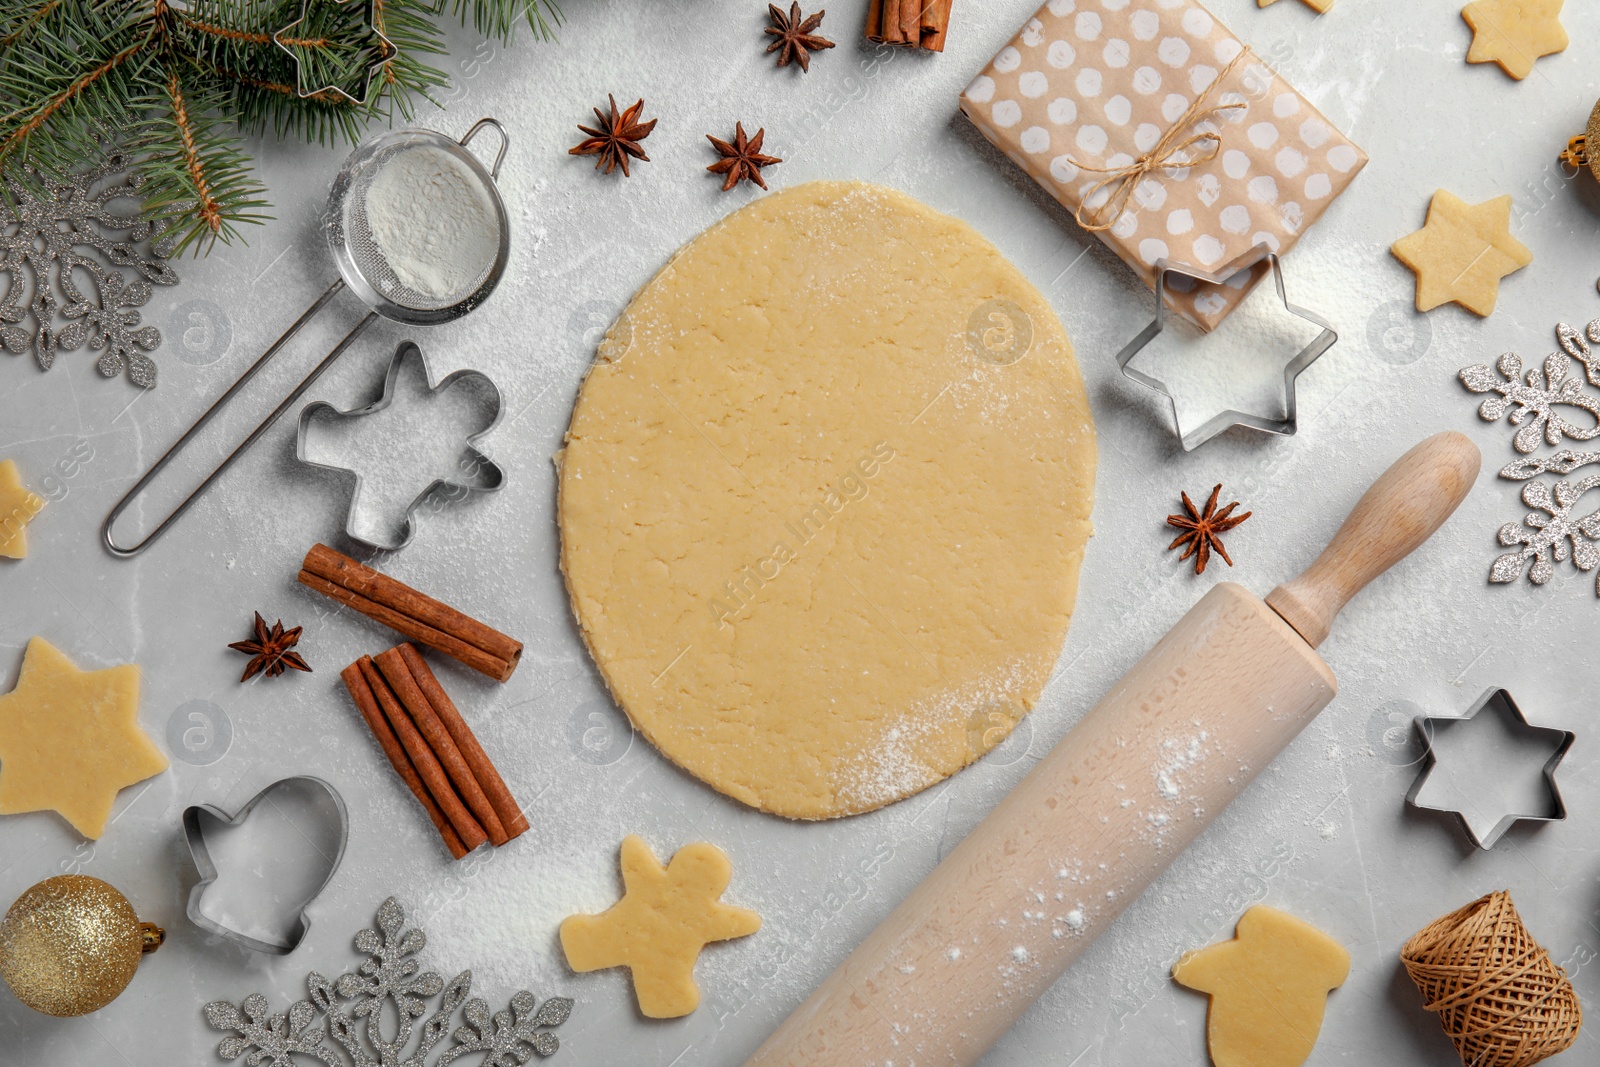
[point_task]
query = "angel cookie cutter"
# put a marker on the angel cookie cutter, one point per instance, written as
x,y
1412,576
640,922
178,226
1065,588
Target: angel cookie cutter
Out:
x,y
1426,726
488,476
194,835
1283,427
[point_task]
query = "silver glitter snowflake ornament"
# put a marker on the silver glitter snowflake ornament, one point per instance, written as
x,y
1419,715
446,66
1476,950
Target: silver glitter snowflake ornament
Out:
x,y
1554,536
1577,347
387,986
61,248
1532,399
1551,537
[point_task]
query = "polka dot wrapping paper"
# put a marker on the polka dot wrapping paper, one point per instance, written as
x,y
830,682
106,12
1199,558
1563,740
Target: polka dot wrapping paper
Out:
x,y
1089,87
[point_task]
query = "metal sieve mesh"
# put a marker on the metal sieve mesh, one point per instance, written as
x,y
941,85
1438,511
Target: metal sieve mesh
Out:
x,y
369,256
361,258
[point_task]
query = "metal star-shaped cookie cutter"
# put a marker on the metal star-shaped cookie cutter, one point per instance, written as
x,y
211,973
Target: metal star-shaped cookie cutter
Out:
x,y
1284,427
386,51
1425,729
194,836
492,476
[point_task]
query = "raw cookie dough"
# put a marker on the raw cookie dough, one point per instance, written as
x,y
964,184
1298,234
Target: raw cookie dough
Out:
x,y
17,509
70,739
824,498
1514,33
1462,252
1268,987
665,917
1319,6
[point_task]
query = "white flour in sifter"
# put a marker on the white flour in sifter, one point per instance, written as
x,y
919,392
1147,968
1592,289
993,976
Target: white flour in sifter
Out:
x,y
434,221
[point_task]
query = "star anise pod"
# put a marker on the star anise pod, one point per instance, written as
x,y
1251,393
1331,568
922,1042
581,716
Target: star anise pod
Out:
x,y
742,160
1203,530
794,36
270,650
617,138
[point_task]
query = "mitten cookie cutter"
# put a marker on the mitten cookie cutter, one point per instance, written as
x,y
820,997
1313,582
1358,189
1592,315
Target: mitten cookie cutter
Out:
x,y
1425,730
494,477
1284,427
194,837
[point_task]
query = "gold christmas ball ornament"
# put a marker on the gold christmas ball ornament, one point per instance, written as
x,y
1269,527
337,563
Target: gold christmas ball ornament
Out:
x,y
1583,151
70,945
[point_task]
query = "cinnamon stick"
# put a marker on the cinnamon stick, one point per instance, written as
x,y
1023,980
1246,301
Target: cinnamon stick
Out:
x,y
875,22
936,25
367,704
483,769
471,833
911,21
891,22
416,615
443,746
467,828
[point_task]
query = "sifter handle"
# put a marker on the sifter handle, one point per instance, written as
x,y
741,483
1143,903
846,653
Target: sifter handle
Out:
x,y
1407,503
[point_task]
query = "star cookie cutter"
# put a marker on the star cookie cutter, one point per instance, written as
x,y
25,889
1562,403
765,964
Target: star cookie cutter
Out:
x,y
194,837
386,50
1284,427
1425,729
494,477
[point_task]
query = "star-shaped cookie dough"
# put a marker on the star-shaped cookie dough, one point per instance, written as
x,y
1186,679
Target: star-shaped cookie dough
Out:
x,y
1514,33
665,917
70,739
1462,252
17,509
1319,6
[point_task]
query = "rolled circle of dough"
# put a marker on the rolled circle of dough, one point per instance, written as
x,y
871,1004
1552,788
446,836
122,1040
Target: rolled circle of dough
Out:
x,y
824,499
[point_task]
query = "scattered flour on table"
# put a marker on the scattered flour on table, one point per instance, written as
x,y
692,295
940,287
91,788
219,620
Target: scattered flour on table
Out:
x,y
434,221
895,767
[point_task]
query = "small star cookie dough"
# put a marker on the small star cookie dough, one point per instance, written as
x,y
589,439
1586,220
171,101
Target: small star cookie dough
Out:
x,y
70,739
1462,252
17,508
1514,33
665,917
1319,6
1268,988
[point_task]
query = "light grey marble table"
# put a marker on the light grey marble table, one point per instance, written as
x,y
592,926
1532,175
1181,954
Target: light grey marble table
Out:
x,y
1322,834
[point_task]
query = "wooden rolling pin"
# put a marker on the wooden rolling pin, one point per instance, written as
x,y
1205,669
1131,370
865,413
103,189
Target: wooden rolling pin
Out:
x,y
1127,790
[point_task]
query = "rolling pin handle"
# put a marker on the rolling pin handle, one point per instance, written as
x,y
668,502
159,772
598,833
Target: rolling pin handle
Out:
x,y
1407,503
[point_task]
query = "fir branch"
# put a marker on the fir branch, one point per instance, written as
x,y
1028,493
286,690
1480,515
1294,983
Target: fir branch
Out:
x,y
27,23
17,127
247,37
182,86
196,172
238,36
206,205
498,18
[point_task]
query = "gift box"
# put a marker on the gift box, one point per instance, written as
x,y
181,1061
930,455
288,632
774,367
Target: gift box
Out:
x,y
1164,135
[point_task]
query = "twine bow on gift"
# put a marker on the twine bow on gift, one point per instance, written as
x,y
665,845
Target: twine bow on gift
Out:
x,y
1164,155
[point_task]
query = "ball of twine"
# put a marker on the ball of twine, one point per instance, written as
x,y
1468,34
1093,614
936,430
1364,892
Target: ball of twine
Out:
x,y
1498,995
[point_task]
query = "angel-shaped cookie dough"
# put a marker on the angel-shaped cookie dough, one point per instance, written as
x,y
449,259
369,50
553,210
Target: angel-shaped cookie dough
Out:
x,y
1268,987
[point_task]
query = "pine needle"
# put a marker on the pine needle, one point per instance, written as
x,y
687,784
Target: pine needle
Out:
x,y
182,88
